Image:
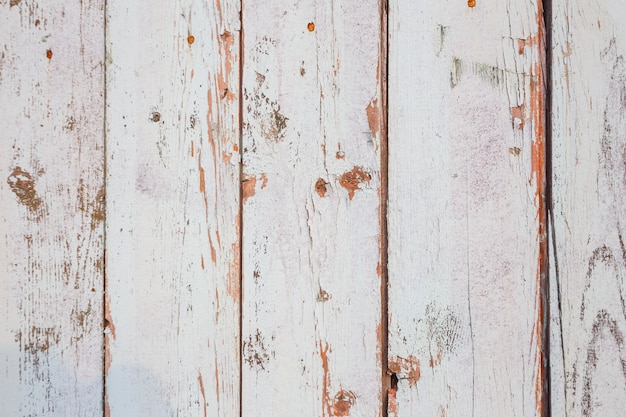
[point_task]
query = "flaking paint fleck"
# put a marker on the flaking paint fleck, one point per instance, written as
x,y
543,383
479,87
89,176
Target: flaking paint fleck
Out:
x,y
320,187
373,117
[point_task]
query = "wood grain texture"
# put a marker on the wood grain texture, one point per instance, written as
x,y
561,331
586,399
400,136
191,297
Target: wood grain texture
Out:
x,y
466,215
311,216
589,199
172,310
51,208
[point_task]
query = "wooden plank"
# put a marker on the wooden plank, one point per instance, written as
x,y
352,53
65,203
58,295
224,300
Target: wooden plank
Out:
x,y
466,212
311,217
589,149
173,206
51,207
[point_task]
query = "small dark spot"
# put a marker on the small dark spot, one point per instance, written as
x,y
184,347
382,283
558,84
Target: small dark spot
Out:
x,y
156,116
49,54
14,3
37,22
515,151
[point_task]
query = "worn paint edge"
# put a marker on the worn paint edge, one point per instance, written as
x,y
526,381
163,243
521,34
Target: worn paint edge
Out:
x,y
539,167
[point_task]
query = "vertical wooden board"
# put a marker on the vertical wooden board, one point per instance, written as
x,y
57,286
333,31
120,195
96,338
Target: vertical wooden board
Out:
x,y
466,210
51,207
172,297
311,208
589,201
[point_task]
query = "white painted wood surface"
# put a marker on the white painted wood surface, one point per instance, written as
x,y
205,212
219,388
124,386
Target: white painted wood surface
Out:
x,y
257,286
172,287
466,210
311,208
51,208
589,200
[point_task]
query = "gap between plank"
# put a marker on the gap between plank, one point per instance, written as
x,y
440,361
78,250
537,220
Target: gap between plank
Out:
x,y
383,71
241,225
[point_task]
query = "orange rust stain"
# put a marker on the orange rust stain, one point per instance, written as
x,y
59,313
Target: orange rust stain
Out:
x,y
203,185
352,179
202,261
190,39
49,54
248,188
235,148
320,187
339,154
436,361
325,380
210,124
264,181
226,157
37,21
23,186
342,402
226,50
14,3
379,269
373,116
518,115
202,392
406,367
471,3
213,253
311,26
392,403
192,150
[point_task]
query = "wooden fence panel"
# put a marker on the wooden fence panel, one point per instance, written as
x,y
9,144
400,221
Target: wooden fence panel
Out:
x,y
312,113
172,302
51,207
466,208
589,202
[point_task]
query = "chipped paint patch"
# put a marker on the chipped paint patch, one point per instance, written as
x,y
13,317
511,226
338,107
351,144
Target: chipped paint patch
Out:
x,y
23,186
248,185
352,180
373,117
342,402
320,187
406,368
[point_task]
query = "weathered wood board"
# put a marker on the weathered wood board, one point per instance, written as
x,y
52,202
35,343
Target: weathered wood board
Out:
x,y
172,290
312,113
589,202
51,207
466,215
